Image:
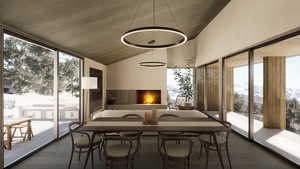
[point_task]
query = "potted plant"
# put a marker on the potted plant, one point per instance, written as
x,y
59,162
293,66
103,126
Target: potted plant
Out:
x,y
184,81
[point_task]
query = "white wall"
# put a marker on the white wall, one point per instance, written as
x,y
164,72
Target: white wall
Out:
x,y
128,75
182,56
88,63
243,23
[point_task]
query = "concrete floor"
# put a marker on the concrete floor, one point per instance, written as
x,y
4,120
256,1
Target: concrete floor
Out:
x,y
244,155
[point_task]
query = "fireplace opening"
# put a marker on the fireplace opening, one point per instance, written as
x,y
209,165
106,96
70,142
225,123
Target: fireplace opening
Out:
x,y
148,97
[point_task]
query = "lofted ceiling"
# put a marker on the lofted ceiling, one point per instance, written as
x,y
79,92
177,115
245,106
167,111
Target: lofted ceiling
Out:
x,y
93,28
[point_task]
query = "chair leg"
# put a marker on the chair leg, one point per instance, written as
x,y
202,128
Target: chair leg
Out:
x,y
132,163
189,163
201,150
100,151
69,166
207,157
92,158
79,154
228,156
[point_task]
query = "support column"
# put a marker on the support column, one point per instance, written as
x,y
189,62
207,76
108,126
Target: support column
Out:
x,y
274,106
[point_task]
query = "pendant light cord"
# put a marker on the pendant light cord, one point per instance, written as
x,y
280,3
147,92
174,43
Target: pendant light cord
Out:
x,y
172,13
153,12
134,14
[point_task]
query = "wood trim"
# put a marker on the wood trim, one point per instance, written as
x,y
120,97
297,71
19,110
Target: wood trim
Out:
x,y
251,94
221,88
31,38
56,95
136,119
1,96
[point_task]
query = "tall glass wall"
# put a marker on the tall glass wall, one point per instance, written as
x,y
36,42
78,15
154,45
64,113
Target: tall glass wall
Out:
x,y
180,87
277,115
28,97
236,90
29,101
69,90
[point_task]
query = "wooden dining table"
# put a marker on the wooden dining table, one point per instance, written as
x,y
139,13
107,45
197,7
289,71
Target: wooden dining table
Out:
x,y
199,125
9,123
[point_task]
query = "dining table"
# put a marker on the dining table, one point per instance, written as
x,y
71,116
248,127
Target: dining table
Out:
x,y
209,125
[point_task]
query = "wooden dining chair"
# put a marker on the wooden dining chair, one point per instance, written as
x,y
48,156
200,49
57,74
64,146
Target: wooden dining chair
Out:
x,y
81,142
208,144
166,117
114,151
170,150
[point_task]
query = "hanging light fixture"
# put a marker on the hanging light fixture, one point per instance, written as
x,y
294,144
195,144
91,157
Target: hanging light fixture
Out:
x,y
153,37
152,63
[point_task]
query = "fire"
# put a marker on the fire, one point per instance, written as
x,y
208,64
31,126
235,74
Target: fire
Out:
x,y
149,98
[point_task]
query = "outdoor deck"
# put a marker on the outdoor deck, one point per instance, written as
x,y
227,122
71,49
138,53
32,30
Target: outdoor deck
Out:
x,y
43,134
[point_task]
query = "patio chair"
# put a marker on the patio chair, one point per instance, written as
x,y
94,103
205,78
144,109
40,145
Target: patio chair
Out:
x,y
114,151
81,142
208,144
170,150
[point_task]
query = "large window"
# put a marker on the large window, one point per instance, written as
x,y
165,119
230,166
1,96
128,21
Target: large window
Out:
x,y
236,75
180,88
29,90
28,95
69,90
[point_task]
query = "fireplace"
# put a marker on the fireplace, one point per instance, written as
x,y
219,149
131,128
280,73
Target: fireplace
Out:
x,y
148,96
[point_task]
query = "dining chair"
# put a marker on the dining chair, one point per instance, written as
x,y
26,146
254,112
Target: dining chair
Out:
x,y
170,150
136,135
81,142
166,117
114,151
207,143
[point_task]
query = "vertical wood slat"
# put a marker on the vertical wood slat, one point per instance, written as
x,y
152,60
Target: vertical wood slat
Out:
x,y
1,96
274,105
212,87
220,89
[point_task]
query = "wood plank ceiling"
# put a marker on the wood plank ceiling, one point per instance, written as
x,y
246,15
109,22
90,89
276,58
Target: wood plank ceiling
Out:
x,y
93,27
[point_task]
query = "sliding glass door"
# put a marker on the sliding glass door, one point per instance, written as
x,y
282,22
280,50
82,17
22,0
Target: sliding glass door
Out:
x,y
236,90
30,119
28,97
69,90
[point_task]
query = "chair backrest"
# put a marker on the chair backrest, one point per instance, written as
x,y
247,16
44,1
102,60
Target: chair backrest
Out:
x,y
73,126
132,116
118,139
168,117
181,139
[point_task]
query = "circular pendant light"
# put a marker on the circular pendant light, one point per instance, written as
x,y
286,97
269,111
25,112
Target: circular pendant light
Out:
x,y
153,43
153,37
152,64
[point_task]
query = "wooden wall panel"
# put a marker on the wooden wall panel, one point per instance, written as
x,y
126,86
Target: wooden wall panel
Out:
x,y
229,89
274,105
212,88
200,88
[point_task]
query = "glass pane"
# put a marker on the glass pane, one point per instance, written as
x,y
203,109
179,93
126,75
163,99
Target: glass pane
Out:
x,y
69,91
212,77
180,88
236,75
28,97
277,116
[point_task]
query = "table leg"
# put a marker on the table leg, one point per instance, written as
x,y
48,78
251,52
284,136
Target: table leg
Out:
x,y
218,150
29,130
9,137
89,152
